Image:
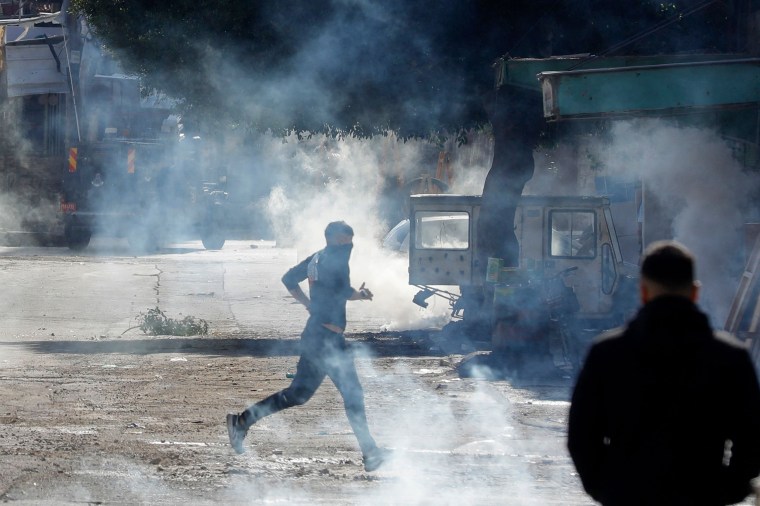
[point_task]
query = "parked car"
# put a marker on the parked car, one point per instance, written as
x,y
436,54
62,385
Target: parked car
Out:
x,y
434,231
397,239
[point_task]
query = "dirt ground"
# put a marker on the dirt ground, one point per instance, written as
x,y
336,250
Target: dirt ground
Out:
x,y
93,413
89,423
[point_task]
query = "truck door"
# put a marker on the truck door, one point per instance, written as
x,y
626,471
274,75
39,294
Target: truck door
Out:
x,y
442,239
572,236
580,234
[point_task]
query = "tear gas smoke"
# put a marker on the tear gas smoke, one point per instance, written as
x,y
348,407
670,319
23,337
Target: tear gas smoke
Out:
x,y
473,444
323,180
700,186
556,171
431,452
22,197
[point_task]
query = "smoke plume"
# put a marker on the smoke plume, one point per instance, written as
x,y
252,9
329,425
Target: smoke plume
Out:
x,y
361,182
700,190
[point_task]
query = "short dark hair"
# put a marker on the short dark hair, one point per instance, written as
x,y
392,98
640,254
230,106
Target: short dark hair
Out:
x,y
338,228
669,264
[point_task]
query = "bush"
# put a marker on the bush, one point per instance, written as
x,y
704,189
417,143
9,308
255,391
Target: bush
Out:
x,y
155,322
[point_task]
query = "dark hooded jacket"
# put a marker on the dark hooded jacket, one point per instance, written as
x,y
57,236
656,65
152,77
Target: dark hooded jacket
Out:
x,y
666,412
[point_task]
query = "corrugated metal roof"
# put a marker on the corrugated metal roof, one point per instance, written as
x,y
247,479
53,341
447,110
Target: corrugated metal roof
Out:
x,y
30,20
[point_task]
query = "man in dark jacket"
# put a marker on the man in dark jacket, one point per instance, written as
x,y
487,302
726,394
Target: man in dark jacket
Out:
x,y
666,411
323,348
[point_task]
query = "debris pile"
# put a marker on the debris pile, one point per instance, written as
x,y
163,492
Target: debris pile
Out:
x,y
155,322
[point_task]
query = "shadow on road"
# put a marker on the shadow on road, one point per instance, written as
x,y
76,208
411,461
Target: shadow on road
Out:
x,y
375,345
197,345
545,387
109,250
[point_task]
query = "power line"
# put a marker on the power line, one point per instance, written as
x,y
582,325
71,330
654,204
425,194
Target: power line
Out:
x,y
646,33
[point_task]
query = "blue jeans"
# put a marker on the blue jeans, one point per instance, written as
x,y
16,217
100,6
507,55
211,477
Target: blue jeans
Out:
x,y
323,353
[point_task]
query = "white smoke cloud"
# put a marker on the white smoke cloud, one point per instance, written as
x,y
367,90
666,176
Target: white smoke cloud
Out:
x,y
324,180
24,178
698,182
460,435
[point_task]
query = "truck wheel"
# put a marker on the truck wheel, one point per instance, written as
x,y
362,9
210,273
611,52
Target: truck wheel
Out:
x,y
213,240
212,229
77,239
143,240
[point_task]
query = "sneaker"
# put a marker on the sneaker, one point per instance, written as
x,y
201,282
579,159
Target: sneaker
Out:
x,y
236,433
375,459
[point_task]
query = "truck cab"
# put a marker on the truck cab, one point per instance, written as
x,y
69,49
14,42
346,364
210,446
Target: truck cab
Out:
x,y
148,191
572,236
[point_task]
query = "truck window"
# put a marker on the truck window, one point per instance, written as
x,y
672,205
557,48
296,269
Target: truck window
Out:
x,y
435,230
573,234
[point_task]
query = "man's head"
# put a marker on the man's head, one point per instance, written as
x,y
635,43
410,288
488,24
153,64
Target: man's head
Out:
x,y
667,268
339,232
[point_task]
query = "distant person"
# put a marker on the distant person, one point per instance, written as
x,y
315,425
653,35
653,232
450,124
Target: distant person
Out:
x,y
324,351
666,411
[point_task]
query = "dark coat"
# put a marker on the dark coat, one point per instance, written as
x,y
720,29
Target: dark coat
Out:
x,y
654,407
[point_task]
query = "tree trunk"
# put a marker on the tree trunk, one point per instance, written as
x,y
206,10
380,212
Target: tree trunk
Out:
x,y
517,120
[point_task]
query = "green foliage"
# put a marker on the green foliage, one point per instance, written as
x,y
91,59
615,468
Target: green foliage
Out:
x,y
155,322
361,68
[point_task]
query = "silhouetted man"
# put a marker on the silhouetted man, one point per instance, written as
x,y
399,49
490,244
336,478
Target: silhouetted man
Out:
x,y
323,348
666,411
